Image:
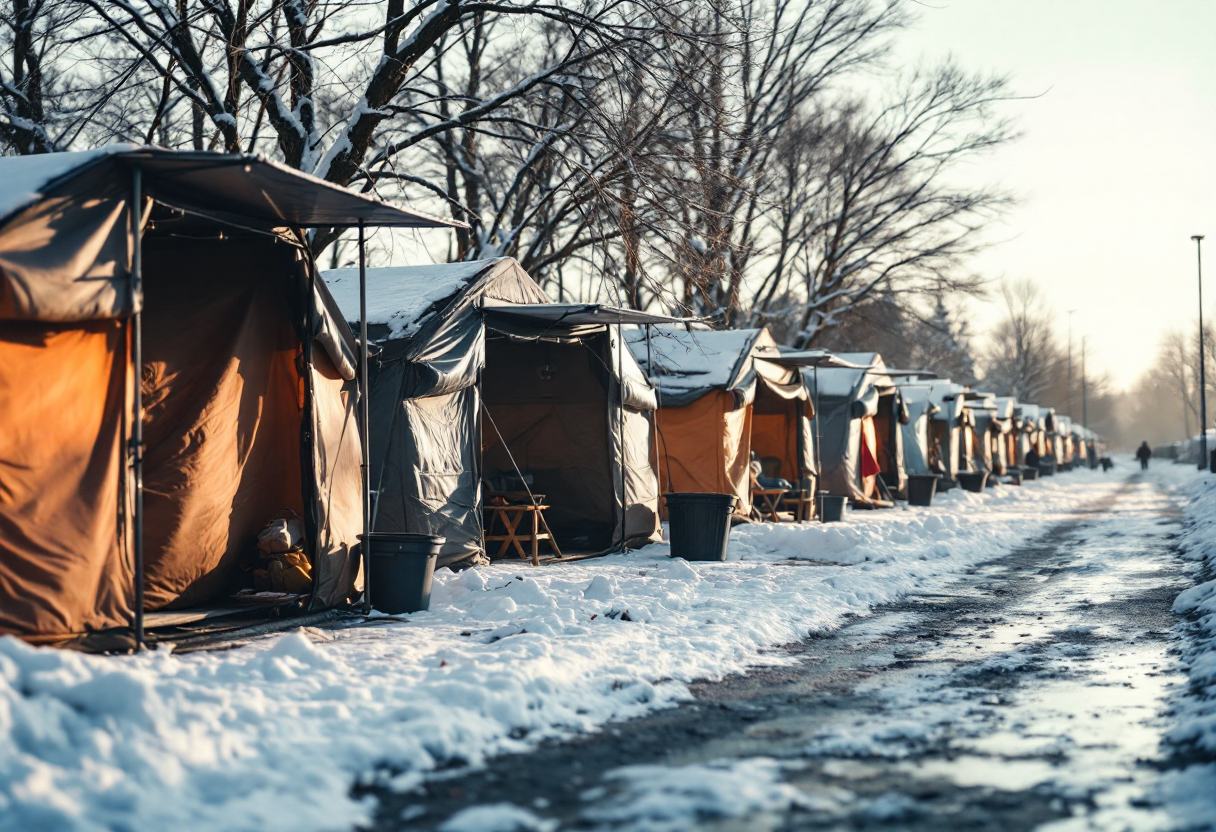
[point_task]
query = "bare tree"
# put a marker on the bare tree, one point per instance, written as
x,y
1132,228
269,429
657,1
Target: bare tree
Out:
x,y
38,108
879,210
1023,357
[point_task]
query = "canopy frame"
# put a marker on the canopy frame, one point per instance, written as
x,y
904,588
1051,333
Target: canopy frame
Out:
x,y
383,215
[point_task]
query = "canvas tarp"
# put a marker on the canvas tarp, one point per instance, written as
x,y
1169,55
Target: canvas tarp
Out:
x,y
241,352
920,455
63,565
849,401
719,401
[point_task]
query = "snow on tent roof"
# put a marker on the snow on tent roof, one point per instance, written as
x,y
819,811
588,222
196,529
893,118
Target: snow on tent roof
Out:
x,y
916,393
401,297
24,179
837,382
692,359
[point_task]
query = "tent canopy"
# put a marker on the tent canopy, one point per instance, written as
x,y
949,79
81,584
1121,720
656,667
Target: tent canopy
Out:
x,y
248,402
240,189
722,400
687,364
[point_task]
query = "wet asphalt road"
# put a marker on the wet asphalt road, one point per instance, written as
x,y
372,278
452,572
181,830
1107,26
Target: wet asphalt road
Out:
x,y
1033,694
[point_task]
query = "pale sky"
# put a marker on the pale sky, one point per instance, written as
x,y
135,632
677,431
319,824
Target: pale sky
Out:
x,y
1117,167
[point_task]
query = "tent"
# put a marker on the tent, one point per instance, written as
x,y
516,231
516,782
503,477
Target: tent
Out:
x,y
477,374
172,376
720,401
1010,438
991,419
931,430
1032,433
860,415
1066,447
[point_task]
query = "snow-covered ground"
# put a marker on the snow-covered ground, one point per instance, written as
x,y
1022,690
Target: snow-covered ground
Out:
x,y
1195,713
273,736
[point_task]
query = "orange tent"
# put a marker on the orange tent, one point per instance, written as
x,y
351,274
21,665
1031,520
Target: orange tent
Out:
x,y
172,376
720,402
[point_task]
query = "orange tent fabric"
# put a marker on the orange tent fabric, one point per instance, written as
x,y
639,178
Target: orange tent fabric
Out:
x,y
705,447
63,397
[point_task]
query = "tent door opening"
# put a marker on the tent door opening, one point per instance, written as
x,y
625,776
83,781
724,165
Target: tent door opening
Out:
x,y
548,398
223,405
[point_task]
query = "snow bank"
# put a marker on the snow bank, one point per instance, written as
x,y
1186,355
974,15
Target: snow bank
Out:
x,y
1188,789
273,736
1197,721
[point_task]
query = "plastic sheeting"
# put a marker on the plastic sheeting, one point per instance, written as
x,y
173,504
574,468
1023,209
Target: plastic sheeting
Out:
x,y
849,402
440,391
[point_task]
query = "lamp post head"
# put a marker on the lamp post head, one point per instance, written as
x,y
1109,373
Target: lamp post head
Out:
x,y
1196,237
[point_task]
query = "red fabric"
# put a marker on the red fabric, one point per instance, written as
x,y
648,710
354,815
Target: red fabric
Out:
x,y
869,462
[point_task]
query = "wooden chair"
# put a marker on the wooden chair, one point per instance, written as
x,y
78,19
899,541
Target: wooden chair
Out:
x,y
510,516
765,501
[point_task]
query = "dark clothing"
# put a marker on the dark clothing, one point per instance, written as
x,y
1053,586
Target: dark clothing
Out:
x,y
1032,459
1143,453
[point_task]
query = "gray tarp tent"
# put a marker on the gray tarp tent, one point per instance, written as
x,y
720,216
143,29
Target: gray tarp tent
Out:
x,y
469,352
991,418
921,456
1028,419
172,375
860,413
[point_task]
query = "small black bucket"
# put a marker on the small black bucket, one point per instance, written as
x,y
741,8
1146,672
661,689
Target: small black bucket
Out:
x,y
402,568
1029,473
921,490
1047,466
699,525
973,480
831,509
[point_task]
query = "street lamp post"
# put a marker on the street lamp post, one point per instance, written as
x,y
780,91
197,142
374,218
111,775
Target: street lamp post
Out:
x,y
1084,388
1069,391
1203,373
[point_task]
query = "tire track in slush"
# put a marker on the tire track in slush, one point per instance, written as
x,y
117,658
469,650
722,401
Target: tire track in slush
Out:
x,y
1032,694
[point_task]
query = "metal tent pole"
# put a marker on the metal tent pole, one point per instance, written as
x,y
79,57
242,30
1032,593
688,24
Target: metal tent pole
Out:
x,y
818,442
1203,375
136,451
363,424
620,389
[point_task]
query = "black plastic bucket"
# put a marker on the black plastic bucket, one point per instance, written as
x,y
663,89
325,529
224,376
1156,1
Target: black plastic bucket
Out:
x,y
831,509
921,490
1047,466
1029,473
402,568
699,525
973,480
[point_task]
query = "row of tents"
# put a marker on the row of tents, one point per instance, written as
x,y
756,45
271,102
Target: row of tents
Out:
x,y
176,372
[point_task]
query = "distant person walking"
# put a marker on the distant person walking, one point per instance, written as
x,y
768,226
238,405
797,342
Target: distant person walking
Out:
x,y
1142,454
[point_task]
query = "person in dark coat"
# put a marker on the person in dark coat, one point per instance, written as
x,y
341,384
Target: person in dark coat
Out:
x,y
1142,454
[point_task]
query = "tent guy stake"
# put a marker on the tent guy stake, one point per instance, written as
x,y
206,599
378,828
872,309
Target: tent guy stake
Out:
x,y
363,425
136,450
